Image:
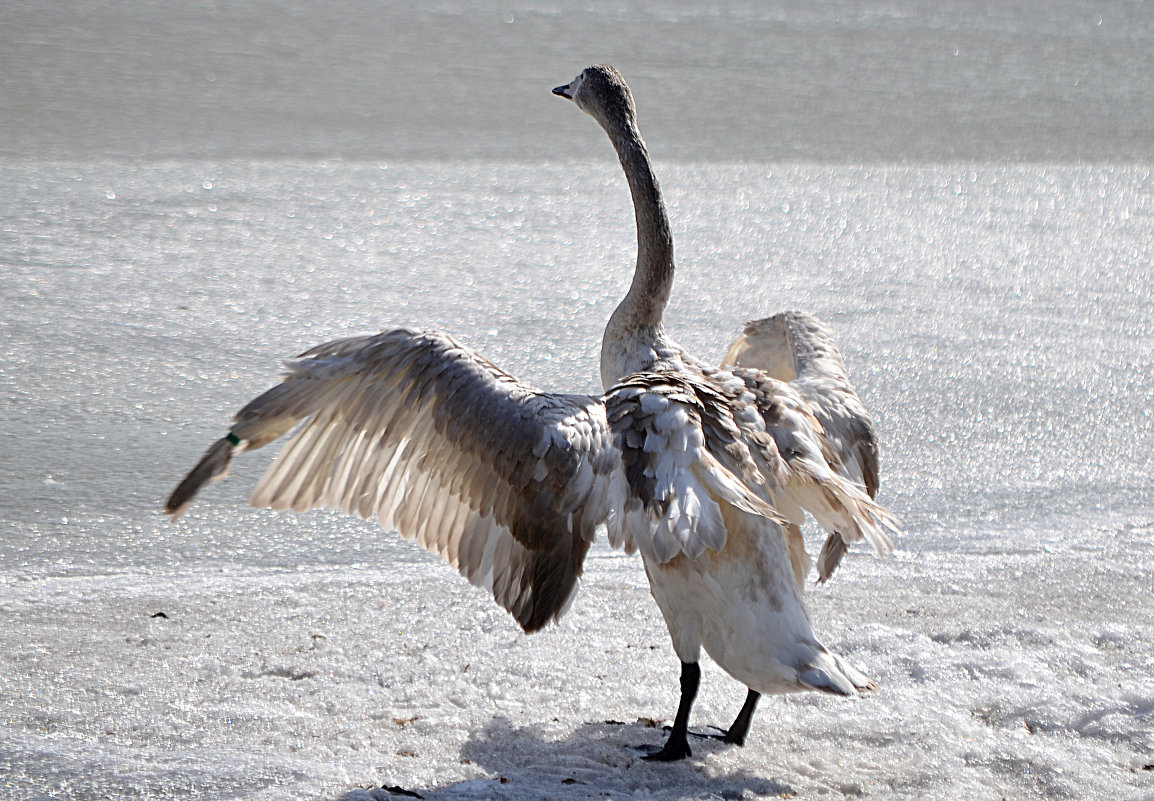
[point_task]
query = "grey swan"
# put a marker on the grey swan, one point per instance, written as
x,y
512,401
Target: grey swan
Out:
x,y
706,471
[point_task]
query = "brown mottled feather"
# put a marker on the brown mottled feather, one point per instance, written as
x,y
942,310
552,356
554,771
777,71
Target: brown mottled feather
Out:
x,y
386,432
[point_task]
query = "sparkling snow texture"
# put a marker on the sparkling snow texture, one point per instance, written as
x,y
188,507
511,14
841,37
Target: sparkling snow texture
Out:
x,y
996,320
995,317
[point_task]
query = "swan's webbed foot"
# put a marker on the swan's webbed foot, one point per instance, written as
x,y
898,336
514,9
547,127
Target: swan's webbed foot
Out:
x,y
677,744
675,748
733,738
736,733
708,733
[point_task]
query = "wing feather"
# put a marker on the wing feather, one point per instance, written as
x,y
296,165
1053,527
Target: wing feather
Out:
x,y
682,456
506,483
799,349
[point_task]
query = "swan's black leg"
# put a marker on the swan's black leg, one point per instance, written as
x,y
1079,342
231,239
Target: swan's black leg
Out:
x,y
677,746
740,727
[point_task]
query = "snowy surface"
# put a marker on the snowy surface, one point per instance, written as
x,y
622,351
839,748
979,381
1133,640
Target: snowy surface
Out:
x,y
170,231
995,681
996,319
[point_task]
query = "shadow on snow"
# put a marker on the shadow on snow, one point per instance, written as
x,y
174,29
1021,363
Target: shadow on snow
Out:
x,y
598,760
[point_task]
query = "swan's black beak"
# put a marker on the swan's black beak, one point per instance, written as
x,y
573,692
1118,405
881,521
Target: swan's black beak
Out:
x,y
563,91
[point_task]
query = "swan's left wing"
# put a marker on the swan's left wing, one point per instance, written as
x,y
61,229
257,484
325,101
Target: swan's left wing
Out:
x,y
504,482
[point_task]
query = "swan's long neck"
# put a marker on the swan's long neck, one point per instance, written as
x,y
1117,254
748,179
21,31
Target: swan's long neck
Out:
x,y
635,327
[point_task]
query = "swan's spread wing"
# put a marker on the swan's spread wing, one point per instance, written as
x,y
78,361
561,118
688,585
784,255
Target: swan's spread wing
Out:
x,y
765,345
505,483
800,349
683,455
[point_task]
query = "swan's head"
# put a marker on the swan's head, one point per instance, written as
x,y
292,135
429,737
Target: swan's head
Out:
x,y
600,92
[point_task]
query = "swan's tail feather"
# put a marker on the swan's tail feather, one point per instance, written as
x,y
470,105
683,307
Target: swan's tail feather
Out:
x,y
212,467
830,673
861,682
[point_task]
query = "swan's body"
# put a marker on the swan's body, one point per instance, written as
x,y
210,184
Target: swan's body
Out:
x,y
703,470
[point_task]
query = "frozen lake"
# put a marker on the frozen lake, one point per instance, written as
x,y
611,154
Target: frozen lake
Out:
x,y
990,287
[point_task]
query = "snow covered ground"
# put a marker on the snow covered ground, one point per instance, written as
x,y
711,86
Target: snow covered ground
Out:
x,y
242,654
963,194
1002,675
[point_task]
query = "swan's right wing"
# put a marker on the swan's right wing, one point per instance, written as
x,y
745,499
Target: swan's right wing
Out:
x,y
504,482
765,345
800,349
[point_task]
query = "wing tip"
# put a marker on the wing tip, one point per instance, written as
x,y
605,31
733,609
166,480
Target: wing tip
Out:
x,y
213,466
832,551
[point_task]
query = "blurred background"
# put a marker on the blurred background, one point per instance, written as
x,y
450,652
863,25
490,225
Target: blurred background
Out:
x,y
838,80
